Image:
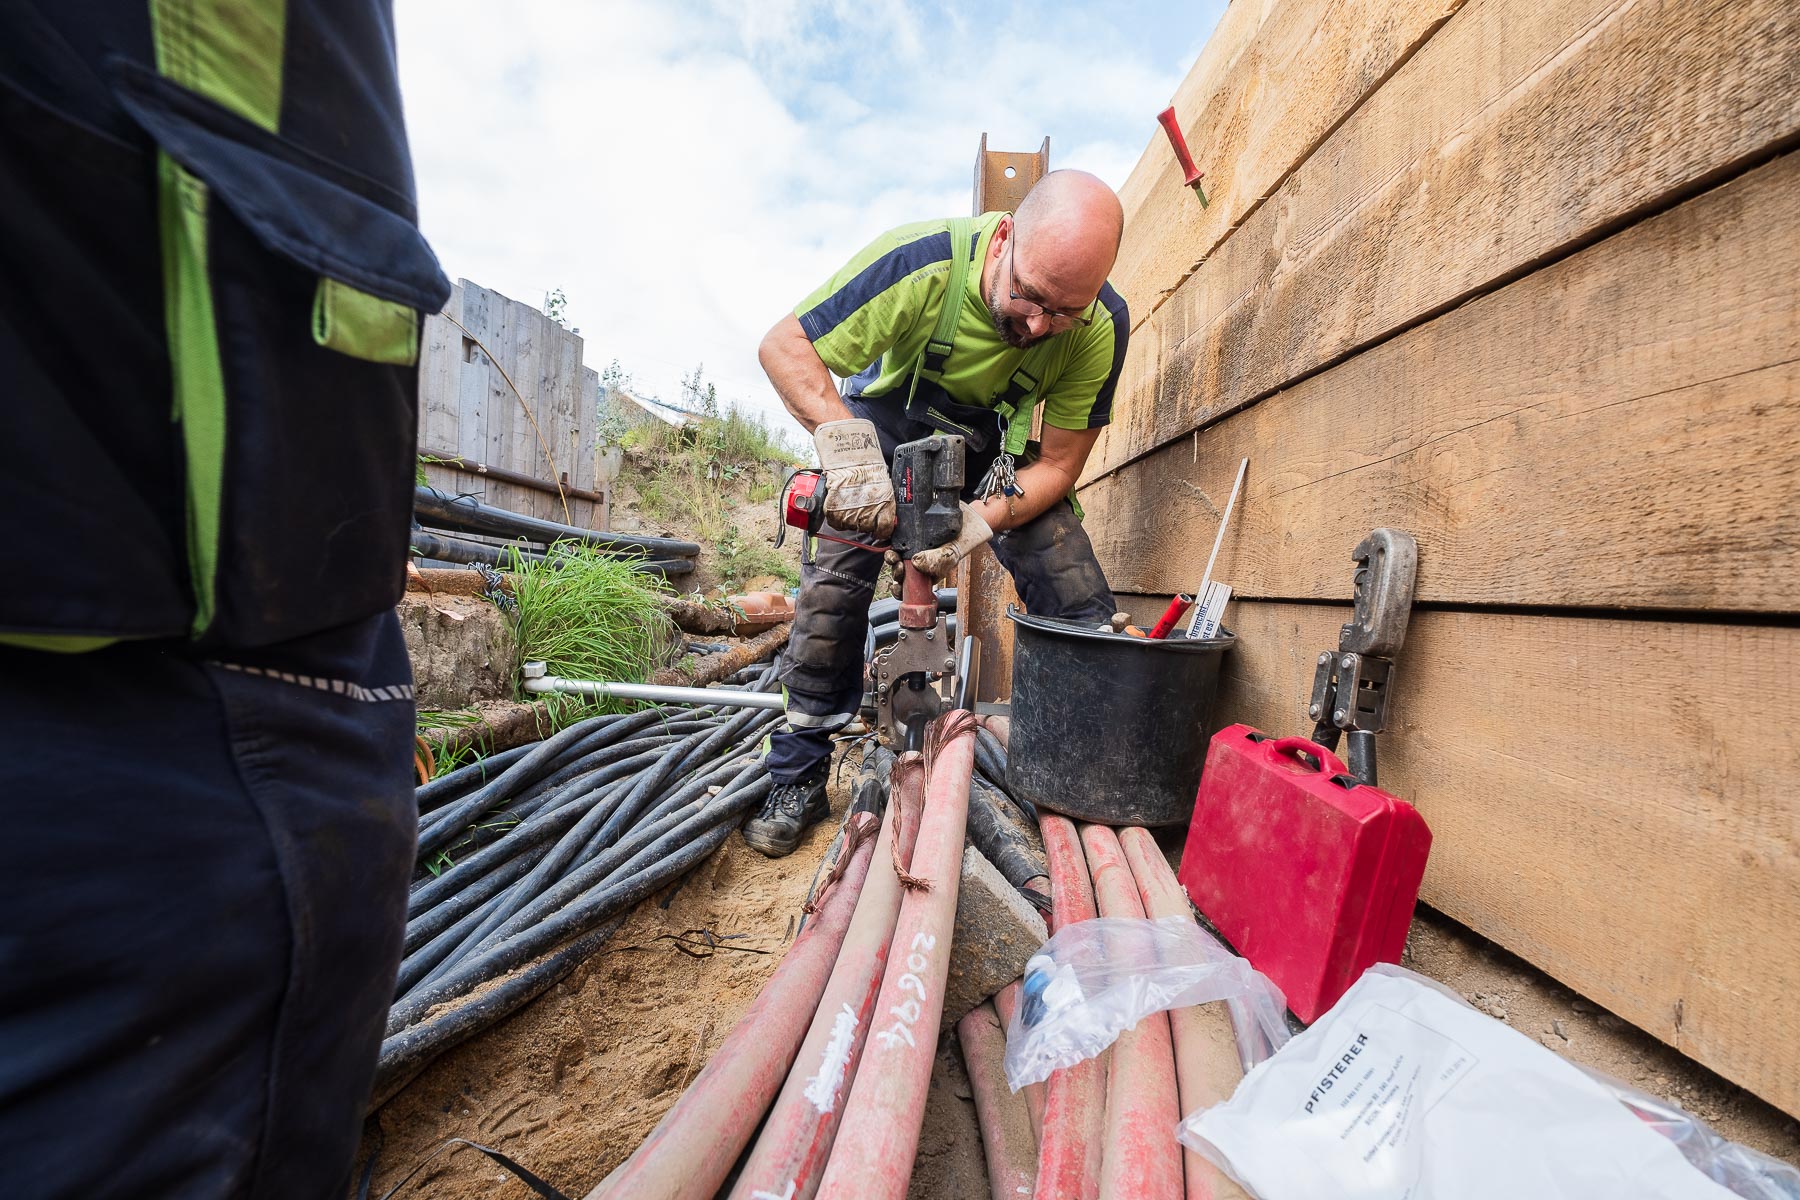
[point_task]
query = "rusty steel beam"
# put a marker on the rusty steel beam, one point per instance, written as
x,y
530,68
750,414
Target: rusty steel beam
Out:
x,y
984,589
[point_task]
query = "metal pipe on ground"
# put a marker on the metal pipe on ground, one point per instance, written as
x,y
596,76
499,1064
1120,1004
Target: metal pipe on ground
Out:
x,y
1207,1069
688,1155
1007,1138
1006,1002
1142,1159
791,1152
718,697
465,513
1070,1146
879,1137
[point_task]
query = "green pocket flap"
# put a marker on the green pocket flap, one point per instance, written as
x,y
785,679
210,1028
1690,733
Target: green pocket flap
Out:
x,y
364,326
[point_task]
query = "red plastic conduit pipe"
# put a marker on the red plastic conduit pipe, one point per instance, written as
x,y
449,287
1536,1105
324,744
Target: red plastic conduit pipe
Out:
x,y
1005,1001
1207,1070
688,1155
1142,1160
790,1155
1006,1136
1070,1144
873,1156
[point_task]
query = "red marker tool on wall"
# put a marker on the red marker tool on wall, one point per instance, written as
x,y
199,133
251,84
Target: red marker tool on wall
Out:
x,y
1189,170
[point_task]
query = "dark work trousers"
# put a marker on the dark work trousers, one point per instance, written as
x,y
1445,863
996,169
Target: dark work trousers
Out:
x,y
203,885
1052,564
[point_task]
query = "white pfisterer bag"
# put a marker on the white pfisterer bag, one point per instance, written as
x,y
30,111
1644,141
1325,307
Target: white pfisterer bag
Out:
x,y
1400,1092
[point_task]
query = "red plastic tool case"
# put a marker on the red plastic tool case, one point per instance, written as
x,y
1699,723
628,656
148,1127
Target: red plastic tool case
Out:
x,y
1309,874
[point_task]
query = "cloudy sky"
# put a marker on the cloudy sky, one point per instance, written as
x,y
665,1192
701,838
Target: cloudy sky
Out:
x,y
686,170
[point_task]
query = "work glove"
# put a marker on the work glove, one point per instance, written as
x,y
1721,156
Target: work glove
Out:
x,y
940,561
859,495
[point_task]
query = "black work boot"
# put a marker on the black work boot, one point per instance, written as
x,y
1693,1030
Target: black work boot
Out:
x,y
790,810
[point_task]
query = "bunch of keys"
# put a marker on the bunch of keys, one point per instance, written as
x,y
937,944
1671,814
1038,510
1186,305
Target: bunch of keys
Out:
x,y
1000,480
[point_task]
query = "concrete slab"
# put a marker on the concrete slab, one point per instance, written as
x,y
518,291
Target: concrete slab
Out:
x,y
997,931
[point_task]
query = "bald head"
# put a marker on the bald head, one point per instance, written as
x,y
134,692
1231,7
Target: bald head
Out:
x,y
1068,228
1060,245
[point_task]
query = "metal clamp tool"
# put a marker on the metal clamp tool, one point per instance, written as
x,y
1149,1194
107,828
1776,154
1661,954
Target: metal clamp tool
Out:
x,y
1350,686
923,672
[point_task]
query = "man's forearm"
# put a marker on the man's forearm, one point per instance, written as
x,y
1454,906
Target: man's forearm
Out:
x,y
798,375
1043,484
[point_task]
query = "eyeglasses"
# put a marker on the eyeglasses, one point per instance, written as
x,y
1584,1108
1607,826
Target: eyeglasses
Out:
x,y
1029,309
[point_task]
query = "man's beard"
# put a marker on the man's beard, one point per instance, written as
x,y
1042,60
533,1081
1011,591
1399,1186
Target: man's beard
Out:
x,y
1012,330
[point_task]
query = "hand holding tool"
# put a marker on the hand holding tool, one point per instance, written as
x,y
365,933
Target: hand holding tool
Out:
x,y
941,560
801,504
859,494
1179,144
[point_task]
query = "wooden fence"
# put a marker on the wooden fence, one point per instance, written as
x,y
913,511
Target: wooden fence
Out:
x,y
503,386
1523,278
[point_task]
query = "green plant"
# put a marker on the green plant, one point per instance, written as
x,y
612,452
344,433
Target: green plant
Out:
x,y
589,616
430,719
738,561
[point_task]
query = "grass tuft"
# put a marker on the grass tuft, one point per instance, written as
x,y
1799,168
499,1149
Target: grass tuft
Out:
x,y
589,616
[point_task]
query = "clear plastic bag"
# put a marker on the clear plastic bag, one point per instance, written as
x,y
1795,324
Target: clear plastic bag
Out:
x,y
1747,1173
1098,978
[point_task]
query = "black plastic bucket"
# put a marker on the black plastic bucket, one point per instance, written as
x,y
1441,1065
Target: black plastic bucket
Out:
x,y
1109,728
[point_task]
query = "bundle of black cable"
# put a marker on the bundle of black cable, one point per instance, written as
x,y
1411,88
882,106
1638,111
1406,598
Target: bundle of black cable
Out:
x,y
554,844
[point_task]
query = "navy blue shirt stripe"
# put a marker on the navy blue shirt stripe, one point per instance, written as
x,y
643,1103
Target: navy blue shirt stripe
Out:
x,y
1120,313
873,280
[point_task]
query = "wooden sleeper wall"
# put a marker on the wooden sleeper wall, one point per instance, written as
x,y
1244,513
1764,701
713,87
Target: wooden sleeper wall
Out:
x,y
466,407
1525,286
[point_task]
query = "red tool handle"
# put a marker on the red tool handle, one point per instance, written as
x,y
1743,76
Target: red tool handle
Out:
x,y
1294,747
1170,127
1177,609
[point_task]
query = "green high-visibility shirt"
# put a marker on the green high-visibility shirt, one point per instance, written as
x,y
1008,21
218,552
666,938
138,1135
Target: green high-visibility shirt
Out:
x,y
870,321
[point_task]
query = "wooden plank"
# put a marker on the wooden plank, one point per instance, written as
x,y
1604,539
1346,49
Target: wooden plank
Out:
x,y
440,349
984,590
1274,80
1599,803
474,392
525,327
590,435
1522,130
1641,397
567,442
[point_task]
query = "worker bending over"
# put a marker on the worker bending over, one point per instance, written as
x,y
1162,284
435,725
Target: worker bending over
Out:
x,y
1032,324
